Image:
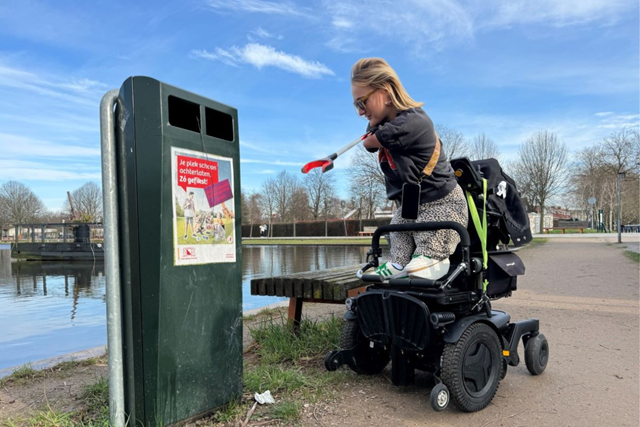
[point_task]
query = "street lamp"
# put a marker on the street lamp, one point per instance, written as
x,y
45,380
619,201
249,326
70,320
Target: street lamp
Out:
x,y
620,176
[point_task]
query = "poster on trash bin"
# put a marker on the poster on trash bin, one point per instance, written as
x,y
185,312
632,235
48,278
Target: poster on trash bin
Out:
x,y
203,216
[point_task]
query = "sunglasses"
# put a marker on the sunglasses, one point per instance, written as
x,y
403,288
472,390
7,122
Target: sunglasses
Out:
x,y
361,103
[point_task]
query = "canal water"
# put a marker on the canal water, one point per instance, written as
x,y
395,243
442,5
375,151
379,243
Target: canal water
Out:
x,y
55,308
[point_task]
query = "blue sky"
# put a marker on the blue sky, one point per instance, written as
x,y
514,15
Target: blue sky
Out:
x,y
503,68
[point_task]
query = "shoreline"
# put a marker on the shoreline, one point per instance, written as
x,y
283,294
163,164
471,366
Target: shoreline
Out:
x,y
100,351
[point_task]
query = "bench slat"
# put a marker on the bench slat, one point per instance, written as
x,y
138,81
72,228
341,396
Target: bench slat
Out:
x,y
318,284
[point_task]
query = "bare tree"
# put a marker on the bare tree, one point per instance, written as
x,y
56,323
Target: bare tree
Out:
x,y
482,147
596,170
87,201
268,201
367,180
18,204
300,204
541,166
588,179
285,185
320,188
453,142
4,215
621,150
251,211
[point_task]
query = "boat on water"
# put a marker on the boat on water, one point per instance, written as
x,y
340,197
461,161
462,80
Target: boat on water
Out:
x,y
75,241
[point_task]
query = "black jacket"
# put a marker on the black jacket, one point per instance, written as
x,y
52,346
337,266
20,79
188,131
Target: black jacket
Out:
x,y
409,141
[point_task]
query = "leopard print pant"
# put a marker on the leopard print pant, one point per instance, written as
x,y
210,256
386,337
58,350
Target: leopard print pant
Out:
x,y
438,244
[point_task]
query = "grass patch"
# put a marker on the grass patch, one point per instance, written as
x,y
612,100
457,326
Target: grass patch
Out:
x,y
286,411
633,256
27,372
232,413
275,341
54,419
274,378
95,398
265,312
291,365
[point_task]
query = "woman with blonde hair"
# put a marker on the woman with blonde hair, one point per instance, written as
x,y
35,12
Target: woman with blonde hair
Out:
x,y
415,168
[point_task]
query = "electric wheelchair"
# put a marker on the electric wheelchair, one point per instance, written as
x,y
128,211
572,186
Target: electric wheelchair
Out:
x,y
446,327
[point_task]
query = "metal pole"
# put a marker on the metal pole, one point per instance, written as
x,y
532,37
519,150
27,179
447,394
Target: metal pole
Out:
x,y
111,259
620,175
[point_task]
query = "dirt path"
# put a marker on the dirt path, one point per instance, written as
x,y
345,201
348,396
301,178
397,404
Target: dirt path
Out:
x,y
585,294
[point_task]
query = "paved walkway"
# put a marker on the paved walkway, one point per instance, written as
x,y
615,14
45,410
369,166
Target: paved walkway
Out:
x,y
630,241
585,293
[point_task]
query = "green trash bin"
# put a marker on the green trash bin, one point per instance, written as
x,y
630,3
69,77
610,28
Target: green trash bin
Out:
x,y
178,166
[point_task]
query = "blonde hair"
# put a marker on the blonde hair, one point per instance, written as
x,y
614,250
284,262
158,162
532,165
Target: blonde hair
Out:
x,y
378,74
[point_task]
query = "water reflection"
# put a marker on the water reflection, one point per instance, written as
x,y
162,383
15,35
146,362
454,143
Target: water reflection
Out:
x,y
50,309
31,280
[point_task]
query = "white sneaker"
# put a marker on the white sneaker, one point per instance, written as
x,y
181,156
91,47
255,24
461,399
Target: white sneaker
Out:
x,y
390,270
424,267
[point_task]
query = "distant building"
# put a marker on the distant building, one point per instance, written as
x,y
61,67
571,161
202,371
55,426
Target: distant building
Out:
x,y
534,221
552,215
384,212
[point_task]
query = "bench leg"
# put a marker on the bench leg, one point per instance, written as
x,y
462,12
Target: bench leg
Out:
x,y
295,312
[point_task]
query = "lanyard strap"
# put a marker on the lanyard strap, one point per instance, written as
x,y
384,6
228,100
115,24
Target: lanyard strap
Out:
x,y
481,226
433,161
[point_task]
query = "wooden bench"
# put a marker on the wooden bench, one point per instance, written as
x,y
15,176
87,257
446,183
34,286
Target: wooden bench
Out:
x,y
331,286
367,231
547,229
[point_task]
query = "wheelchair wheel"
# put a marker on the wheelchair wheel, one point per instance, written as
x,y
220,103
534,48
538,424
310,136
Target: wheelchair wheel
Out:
x,y
439,397
472,367
536,354
367,360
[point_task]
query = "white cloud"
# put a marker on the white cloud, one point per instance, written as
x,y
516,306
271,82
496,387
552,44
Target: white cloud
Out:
x,y
70,124
16,146
563,75
262,34
266,56
498,13
76,90
83,85
270,162
258,147
37,171
414,22
342,22
438,23
619,121
257,6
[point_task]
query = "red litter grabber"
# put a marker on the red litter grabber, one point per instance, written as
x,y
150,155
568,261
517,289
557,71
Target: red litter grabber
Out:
x,y
327,162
